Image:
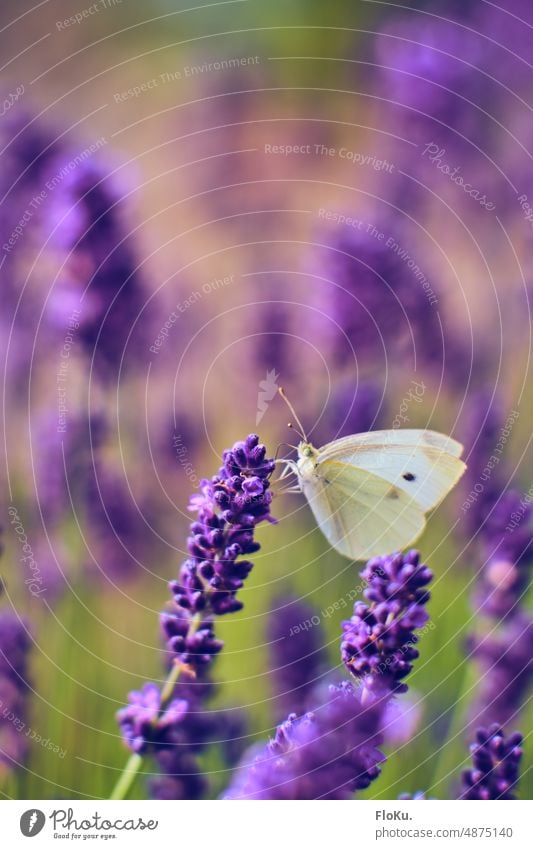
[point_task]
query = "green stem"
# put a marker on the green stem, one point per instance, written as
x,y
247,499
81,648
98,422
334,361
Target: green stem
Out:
x,y
127,777
133,765
446,759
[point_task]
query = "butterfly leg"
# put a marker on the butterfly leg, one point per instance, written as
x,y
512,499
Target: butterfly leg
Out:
x,y
290,468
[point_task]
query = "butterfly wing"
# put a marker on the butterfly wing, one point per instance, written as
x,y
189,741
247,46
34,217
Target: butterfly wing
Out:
x,y
423,464
360,513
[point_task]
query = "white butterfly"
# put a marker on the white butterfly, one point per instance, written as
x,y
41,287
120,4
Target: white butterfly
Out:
x,y
370,492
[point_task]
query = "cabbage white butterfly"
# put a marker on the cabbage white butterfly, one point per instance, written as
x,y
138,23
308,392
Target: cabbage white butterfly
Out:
x,y
370,492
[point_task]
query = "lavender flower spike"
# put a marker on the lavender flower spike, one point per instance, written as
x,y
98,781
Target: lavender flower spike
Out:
x,y
495,765
144,723
297,655
328,754
14,650
167,723
379,639
229,507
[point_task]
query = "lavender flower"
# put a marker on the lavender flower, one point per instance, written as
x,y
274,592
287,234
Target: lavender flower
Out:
x,y
272,348
180,776
228,508
63,461
495,765
172,734
145,723
102,267
379,639
507,543
297,654
28,149
328,754
501,644
350,409
14,650
172,725
505,668
428,65
376,305
482,483
117,526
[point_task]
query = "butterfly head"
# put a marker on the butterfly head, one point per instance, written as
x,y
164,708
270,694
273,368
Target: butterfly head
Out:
x,y
306,451
307,456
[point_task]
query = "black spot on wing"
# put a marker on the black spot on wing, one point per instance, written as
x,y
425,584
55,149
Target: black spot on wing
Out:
x,y
408,476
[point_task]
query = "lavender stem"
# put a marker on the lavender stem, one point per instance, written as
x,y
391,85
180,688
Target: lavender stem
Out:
x,y
133,764
127,777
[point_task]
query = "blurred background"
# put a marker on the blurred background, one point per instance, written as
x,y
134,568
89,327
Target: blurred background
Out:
x,y
201,204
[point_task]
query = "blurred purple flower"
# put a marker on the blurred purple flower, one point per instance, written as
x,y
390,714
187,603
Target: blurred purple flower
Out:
x,y
376,305
180,772
505,670
328,754
274,339
495,765
351,408
430,67
401,719
484,479
28,148
15,645
102,267
63,461
502,523
378,641
508,548
117,532
145,723
297,654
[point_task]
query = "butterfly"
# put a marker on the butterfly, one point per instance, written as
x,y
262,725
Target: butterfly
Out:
x,y
370,493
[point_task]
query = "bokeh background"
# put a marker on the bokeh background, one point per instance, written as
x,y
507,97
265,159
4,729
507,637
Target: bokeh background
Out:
x,y
201,202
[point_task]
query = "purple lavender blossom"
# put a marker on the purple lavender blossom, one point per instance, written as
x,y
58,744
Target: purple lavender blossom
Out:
x,y
28,149
507,544
101,268
379,639
172,734
495,765
375,304
297,654
506,670
14,650
272,348
145,723
501,644
117,526
350,409
429,66
180,771
180,775
328,754
228,507
62,461
173,728
480,485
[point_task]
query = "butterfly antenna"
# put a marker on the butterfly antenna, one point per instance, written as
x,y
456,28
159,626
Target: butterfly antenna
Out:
x,y
288,444
291,408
